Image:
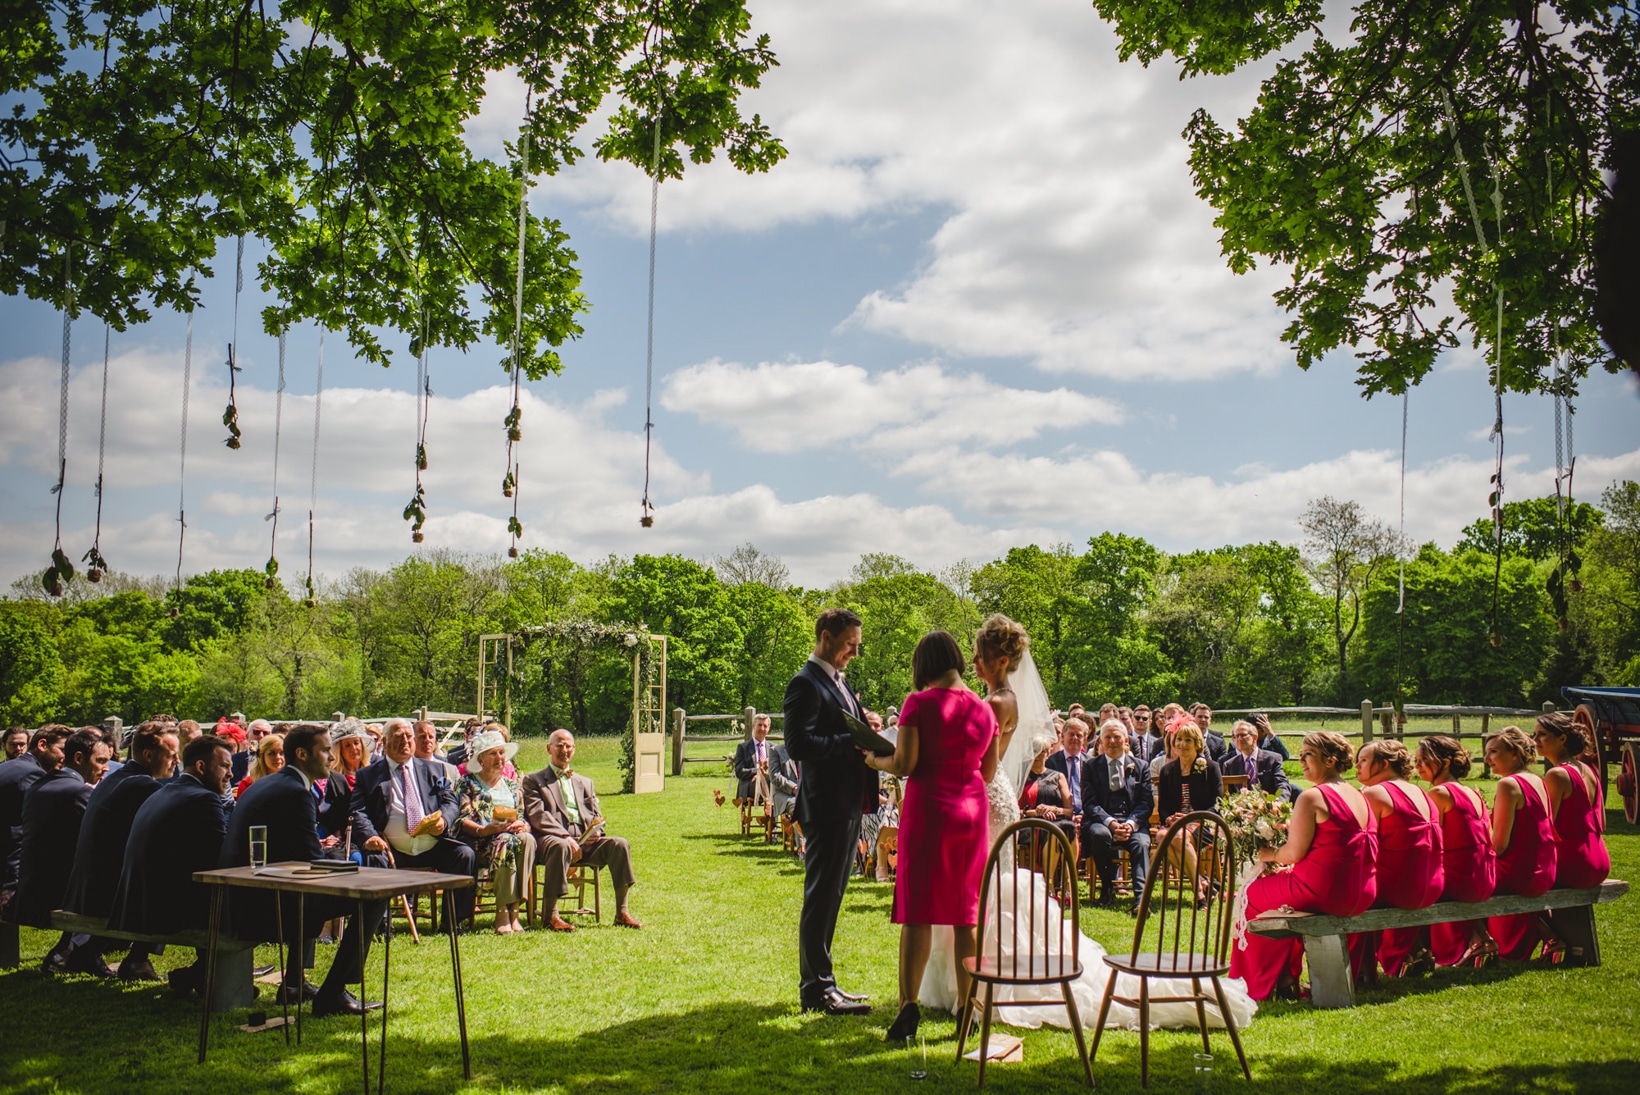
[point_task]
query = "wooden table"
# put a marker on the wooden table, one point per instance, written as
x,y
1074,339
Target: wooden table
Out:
x,y
364,885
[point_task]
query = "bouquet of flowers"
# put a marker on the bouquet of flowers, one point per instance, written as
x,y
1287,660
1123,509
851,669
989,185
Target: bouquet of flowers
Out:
x,y
1257,821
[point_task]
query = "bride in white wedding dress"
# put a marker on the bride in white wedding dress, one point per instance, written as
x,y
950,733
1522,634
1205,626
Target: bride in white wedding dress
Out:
x,y
1003,660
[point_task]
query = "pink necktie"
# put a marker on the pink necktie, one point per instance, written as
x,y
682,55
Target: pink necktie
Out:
x,y
412,798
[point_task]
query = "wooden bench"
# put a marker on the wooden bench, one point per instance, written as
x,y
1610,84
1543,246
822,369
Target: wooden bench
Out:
x,y
234,957
1326,937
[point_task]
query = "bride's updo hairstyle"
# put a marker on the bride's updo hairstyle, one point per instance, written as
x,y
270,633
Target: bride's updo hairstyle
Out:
x,y
1001,636
1332,749
936,655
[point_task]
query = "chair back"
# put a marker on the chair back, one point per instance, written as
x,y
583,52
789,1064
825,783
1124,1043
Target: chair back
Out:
x,y
1187,935
1233,784
1044,943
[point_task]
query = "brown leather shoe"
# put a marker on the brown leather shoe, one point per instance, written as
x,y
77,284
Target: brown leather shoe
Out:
x,y
626,920
559,924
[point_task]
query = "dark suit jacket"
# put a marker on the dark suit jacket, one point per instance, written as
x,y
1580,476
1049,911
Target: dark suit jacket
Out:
x,y
836,785
284,803
745,765
100,852
1060,763
1217,747
336,808
1149,746
52,811
180,829
1268,774
782,778
1099,804
1206,788
241,763
17,775
373,798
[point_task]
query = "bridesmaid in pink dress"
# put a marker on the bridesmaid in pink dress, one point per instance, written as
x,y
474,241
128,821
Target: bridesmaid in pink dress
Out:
x,y
1470,864
1332,845
947,752
1523,835
1577,804
1410,870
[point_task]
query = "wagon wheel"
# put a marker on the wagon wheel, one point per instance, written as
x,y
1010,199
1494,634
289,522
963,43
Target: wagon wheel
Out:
x,y
1588,721
1628,781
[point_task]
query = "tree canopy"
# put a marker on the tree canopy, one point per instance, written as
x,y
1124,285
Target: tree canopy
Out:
x,y
134,136
1428,150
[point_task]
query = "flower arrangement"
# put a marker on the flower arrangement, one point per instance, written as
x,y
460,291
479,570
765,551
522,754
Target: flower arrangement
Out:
x,y
1256,820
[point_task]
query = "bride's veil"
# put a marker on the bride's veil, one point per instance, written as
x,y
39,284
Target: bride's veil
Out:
x,y
1035,719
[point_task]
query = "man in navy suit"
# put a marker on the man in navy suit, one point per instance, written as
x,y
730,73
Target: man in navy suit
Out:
x,y
100,853
1262,767
1117,802
43,754
404,805
835,791
178,830
52,812
284,802
1072,761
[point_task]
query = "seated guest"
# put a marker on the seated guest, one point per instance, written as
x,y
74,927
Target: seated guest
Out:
x,y
1217,748
1149,733
783,786
1165,751
426,748
458,754
1468,863
100,851
1410,868
751,765
880,831
1576,802
1268,739
270,757
254,733
1116,802
507,769
348,743
1523,835
16,743
1332,847
1047,793
52,812
406,808
1261,767
492,821
1070,762
178,830
284,803
1187,783
563,809
44,754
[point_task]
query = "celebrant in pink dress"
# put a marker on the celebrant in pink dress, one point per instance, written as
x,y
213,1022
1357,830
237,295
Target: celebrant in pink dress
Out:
x,y
1523,835
1332,846
1410,870
947,753
1468,863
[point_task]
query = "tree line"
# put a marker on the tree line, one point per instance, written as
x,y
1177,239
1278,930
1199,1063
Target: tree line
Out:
x,y
1322,622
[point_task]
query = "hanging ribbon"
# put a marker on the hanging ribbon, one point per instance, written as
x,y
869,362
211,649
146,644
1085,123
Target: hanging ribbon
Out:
x,y
61,571
230,416
182,460
272,567
515,416
96,565
313,487
648,518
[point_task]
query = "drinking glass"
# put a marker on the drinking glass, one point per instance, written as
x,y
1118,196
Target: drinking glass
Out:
x,y
259,847
918,1054
1204,1073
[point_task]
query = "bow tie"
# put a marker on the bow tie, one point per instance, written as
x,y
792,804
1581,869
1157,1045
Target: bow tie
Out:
x,y
564,773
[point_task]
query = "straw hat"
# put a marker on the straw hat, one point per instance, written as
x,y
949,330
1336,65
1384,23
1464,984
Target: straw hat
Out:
x,y
482,743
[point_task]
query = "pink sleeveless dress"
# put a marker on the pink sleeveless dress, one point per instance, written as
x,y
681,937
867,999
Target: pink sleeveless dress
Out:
x,y
1471,871
1410,876
1527,868
1582,860
1336,877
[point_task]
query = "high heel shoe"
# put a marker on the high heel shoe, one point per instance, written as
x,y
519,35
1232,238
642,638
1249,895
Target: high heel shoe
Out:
x,y
1556,951
905,1024
1480,953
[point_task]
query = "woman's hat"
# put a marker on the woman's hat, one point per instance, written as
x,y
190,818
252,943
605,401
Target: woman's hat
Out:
x,y
482,743
349,728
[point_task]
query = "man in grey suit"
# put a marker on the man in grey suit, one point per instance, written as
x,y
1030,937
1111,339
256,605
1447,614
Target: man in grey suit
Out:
x,y
562,808
783,788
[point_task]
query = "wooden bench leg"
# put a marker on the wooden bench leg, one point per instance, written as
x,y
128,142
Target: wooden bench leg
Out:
x,y
10,947
234,987
1576,926
1331,984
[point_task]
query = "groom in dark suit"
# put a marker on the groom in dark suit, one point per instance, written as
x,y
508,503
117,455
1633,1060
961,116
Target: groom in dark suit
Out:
x,y
834,791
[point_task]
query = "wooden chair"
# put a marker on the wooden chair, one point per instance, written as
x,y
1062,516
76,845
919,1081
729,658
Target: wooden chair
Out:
x,y
1234,784
1191,942
580,875
1033,920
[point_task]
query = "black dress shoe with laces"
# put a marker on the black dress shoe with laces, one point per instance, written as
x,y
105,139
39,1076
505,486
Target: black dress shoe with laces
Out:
x,y
853,997
834,1003
341,1002
290,994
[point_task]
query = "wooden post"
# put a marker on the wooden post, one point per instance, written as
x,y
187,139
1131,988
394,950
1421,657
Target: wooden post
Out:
x,y
749,716
1486,728
678,724
1548,707
1457,726
1366,721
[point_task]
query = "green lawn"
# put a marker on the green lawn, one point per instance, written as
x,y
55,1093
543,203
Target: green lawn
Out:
x,y
705,998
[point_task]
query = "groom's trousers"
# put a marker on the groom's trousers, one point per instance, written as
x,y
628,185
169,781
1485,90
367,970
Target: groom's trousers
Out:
x,y
828,860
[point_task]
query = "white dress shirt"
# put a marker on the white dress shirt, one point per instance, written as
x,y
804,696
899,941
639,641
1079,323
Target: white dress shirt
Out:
x,y
836,678
398,832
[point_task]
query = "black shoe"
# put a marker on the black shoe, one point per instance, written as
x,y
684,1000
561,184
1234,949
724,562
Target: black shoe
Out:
x,y
86,962
834,1003
140,969
905,1024
262,971
853,997
1107,898
1133,909
288,994
53,963
187,980
341,1002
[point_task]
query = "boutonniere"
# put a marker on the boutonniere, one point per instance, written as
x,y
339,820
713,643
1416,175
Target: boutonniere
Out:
x,y
1199,767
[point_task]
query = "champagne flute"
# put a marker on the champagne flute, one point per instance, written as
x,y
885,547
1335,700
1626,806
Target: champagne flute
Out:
x,y
259,847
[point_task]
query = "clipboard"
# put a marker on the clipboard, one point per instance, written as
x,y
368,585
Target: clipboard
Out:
x,y
866,738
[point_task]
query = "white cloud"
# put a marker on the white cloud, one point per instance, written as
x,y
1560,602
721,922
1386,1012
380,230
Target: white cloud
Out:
x,y
792,406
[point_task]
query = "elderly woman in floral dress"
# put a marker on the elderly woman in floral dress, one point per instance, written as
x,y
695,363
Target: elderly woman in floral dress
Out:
x,y
491,821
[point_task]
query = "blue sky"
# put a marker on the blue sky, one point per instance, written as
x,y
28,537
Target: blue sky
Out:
x,y
979,305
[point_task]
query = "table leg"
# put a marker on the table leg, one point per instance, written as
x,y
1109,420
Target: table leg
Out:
x,y
210,970
301,971
284,995
364,1015
455,970
387,966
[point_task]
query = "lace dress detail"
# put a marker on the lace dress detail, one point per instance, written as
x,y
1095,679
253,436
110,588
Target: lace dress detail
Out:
x,y
1004,812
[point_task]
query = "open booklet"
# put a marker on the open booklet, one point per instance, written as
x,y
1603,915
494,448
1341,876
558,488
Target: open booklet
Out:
x,y
593,831
866,738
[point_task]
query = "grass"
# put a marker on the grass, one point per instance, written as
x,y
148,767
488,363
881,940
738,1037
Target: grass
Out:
x,y
705,998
